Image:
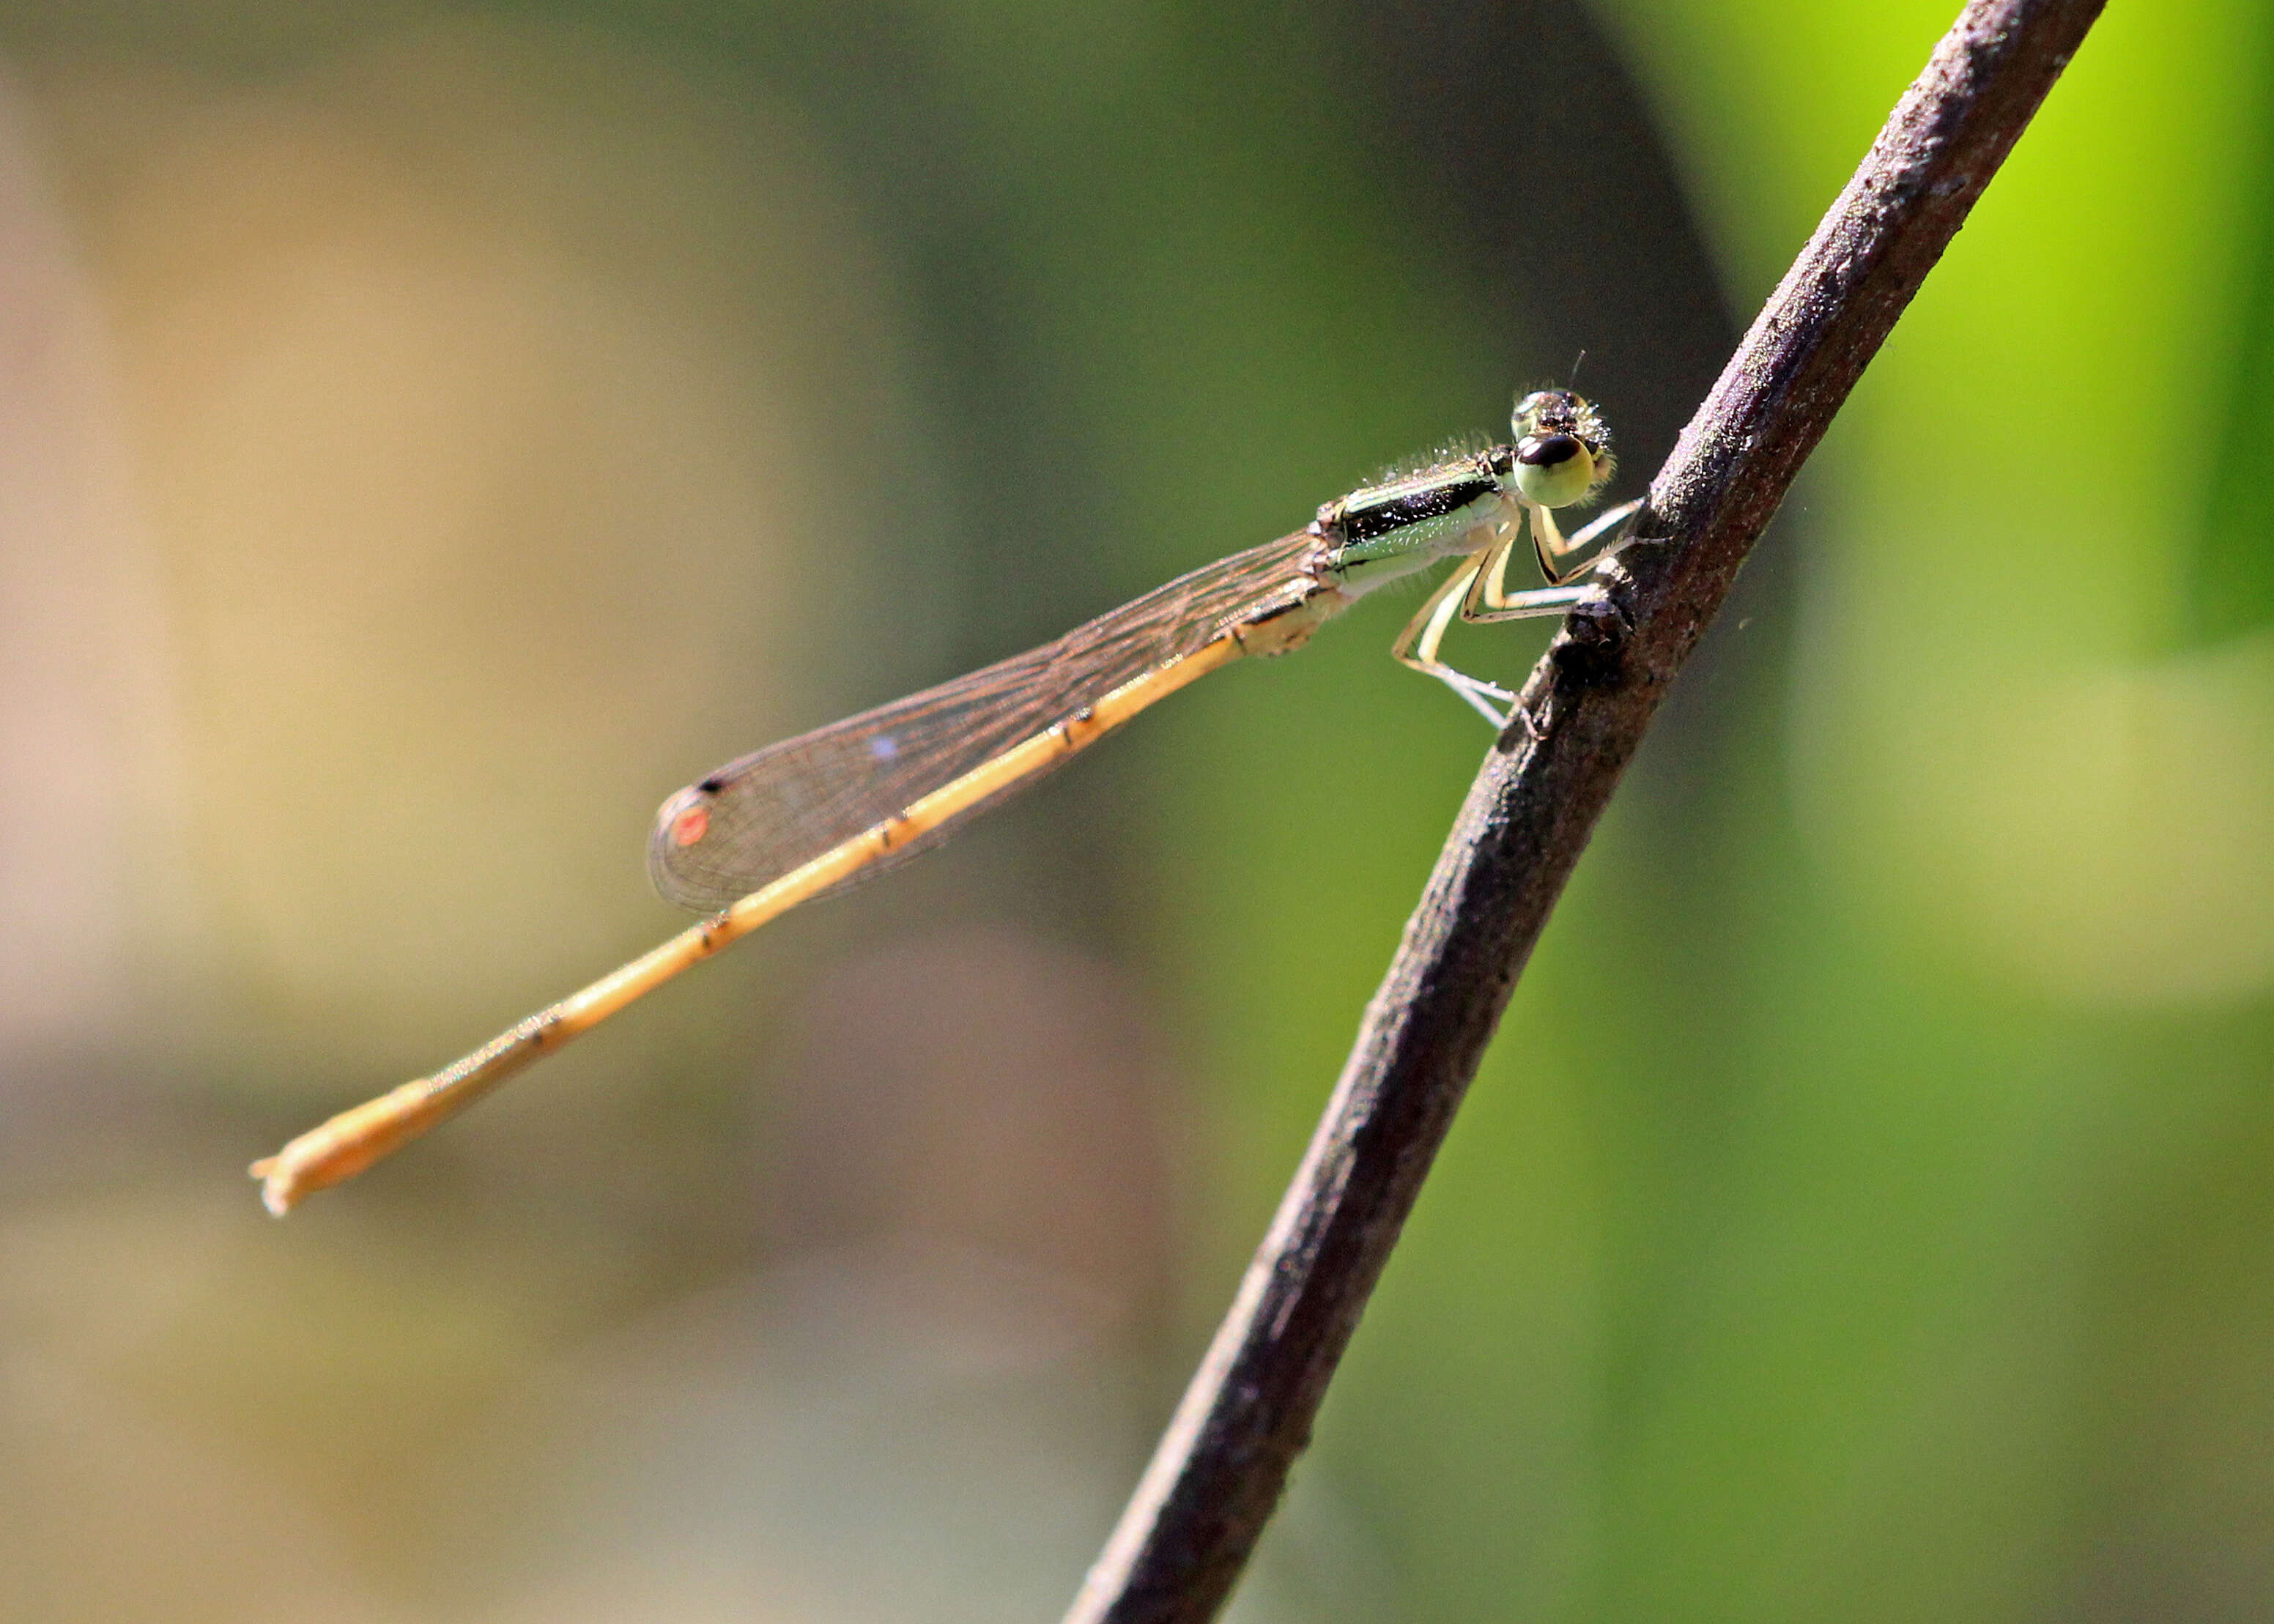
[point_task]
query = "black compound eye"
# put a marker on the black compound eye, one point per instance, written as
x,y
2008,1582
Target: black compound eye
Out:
x,y
1546,450
1556,470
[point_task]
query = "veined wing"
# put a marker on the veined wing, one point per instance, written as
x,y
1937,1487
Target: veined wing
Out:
x,y
757,818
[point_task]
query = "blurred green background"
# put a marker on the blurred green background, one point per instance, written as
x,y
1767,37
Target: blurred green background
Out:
x,y
433,432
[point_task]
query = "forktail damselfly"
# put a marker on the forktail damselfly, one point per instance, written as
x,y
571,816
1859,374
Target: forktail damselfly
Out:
x,y
811,815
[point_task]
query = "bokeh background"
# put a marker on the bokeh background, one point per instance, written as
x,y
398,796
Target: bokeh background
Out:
x,y
432,432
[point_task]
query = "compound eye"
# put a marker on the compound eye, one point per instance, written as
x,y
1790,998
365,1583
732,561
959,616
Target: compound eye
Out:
x,y
1551,410
1553,471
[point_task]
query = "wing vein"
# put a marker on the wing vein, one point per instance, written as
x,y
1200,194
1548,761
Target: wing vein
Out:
x,y
759,817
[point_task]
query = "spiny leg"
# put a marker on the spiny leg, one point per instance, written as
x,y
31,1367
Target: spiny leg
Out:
x,y
1478,592
1602,522
1488,599
1535,605
1416,645
1555,552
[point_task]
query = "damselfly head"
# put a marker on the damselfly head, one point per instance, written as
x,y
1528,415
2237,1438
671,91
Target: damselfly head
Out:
x,y
1562,450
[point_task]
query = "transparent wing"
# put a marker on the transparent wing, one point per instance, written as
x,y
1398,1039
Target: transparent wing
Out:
x,y
757,818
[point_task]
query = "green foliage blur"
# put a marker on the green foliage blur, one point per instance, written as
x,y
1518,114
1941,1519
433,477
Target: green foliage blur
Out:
x,y
437,432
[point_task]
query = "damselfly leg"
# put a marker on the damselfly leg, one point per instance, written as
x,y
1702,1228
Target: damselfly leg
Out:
x,y
1478,592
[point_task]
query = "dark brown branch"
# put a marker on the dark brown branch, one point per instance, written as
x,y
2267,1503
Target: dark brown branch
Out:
x,y
1225,1460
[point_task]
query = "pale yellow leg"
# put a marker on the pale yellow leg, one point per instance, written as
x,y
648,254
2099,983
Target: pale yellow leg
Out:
x,y
1555,552
1416,645
1488,599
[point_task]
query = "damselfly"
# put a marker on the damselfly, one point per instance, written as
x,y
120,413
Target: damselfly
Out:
x,y
806,817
